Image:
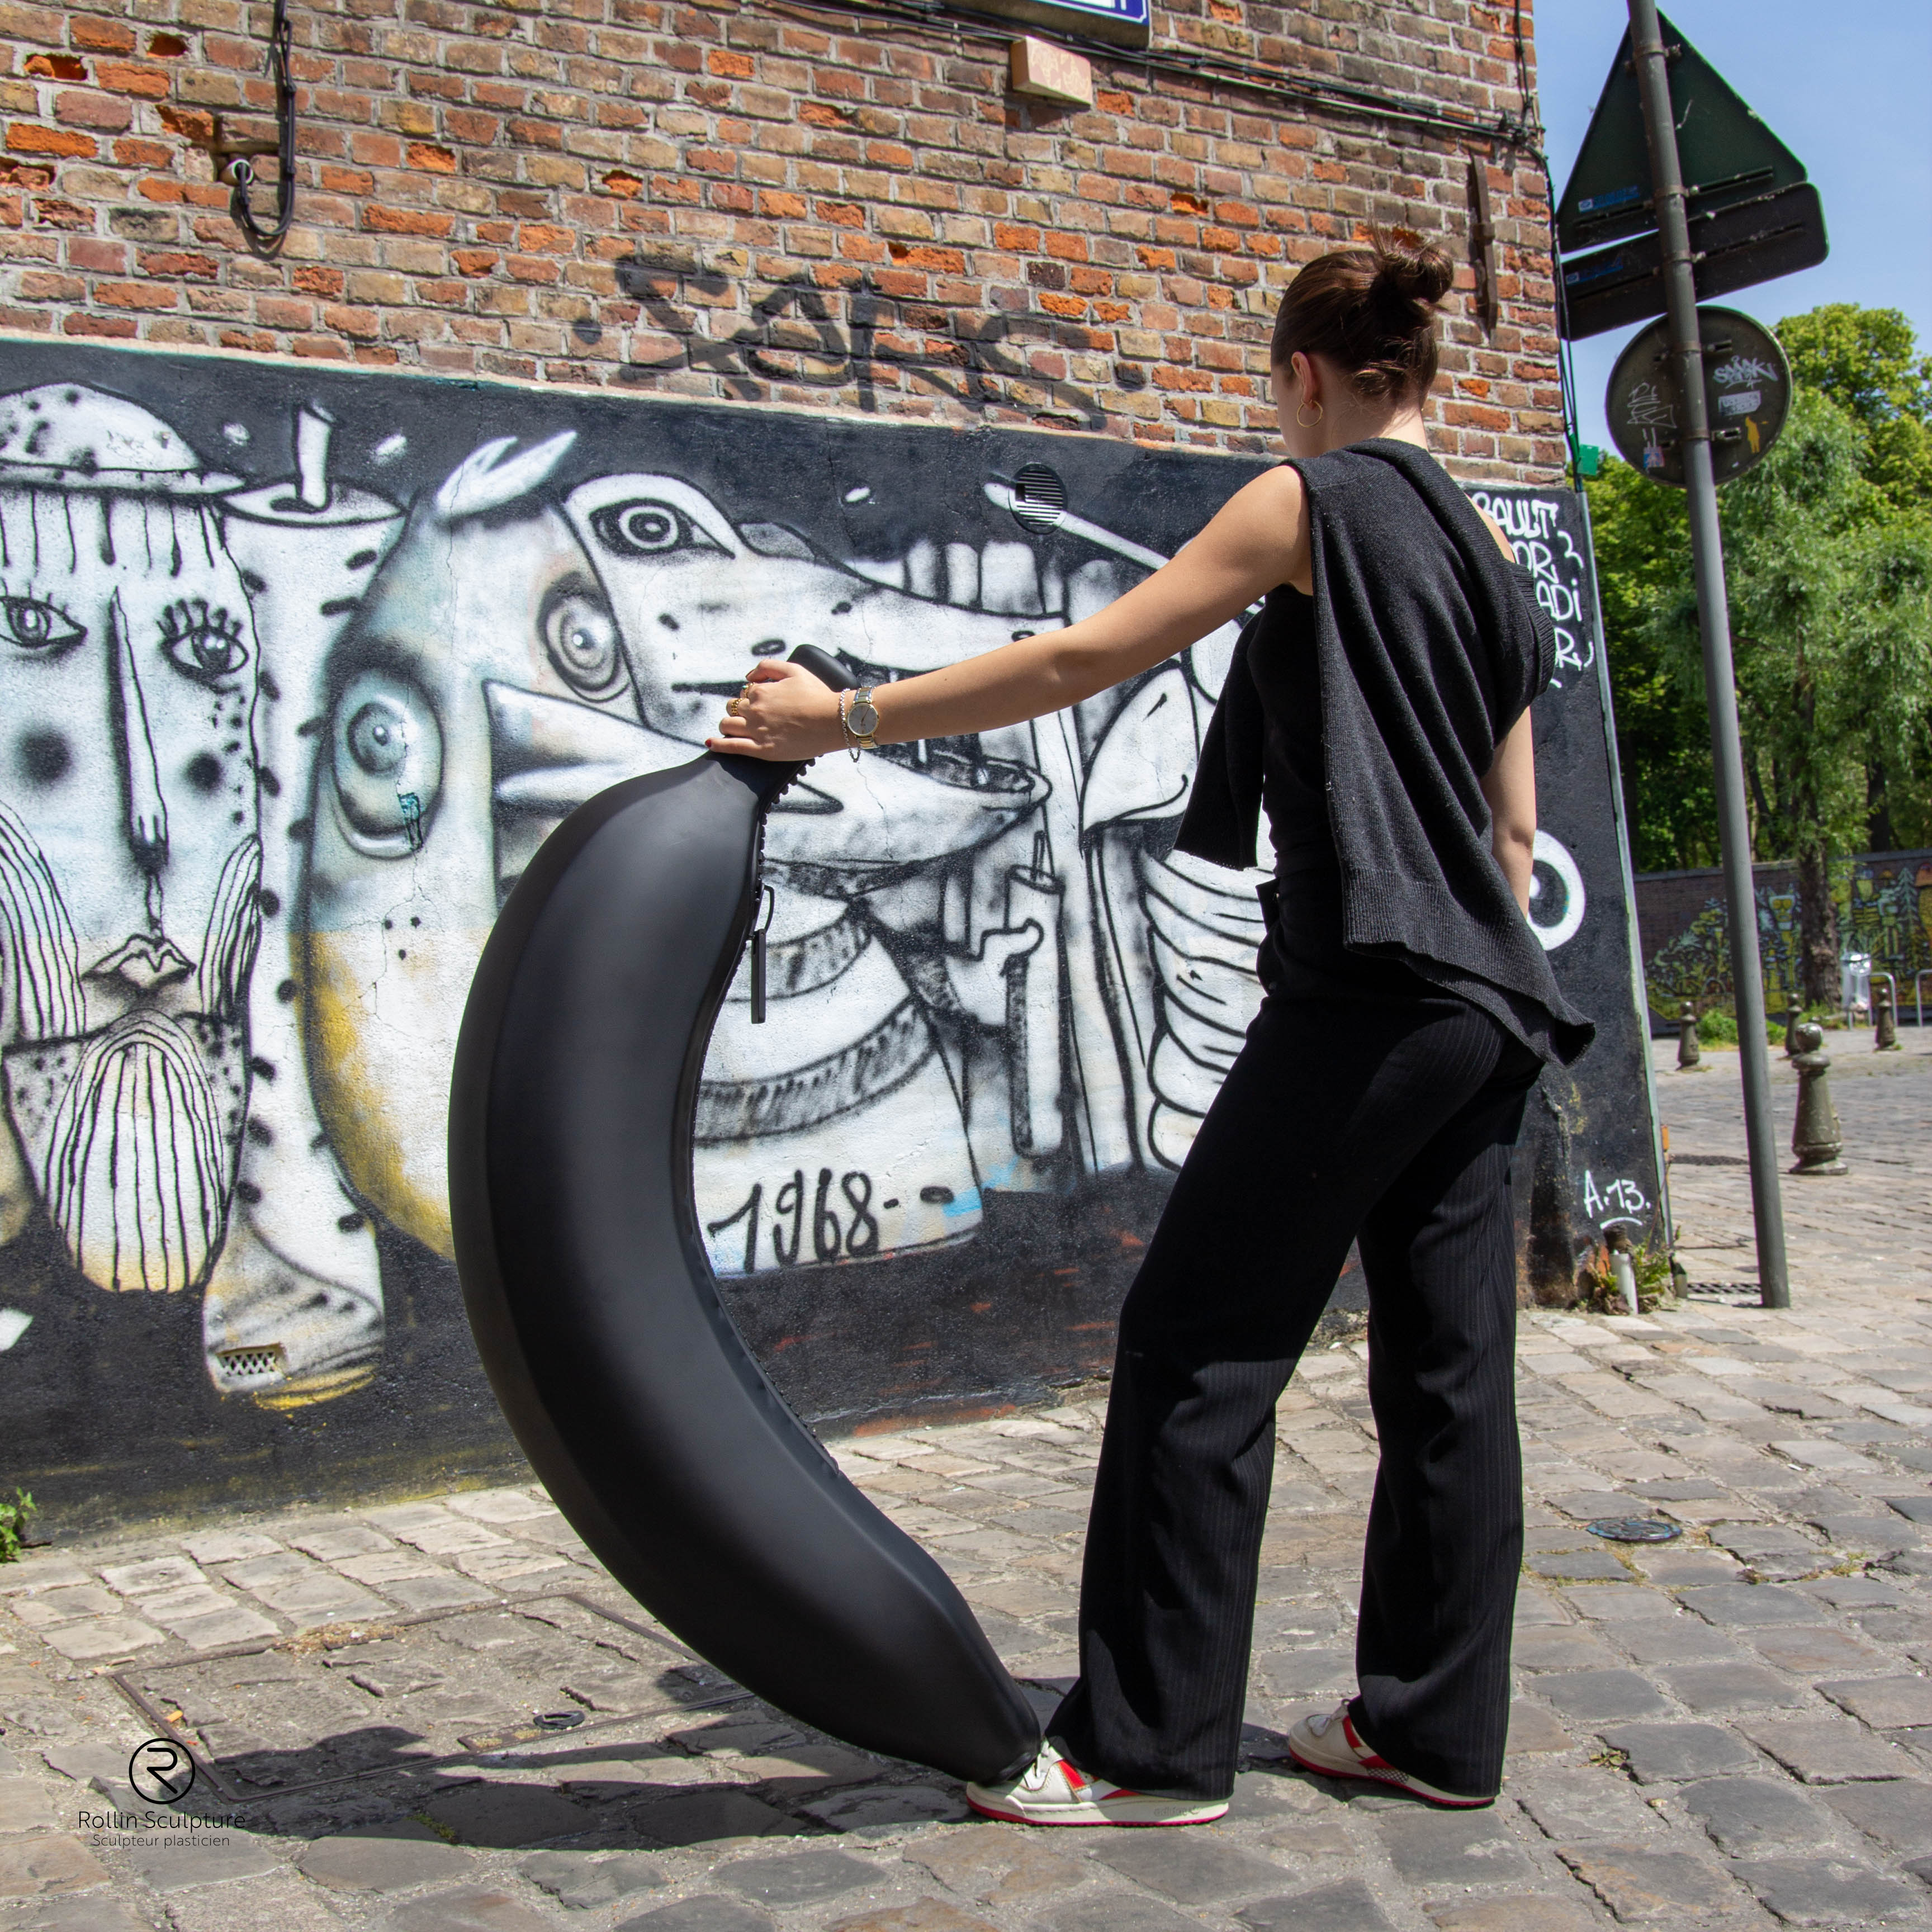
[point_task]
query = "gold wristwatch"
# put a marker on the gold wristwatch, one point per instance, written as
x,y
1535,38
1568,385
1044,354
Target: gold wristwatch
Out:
x,y
862,720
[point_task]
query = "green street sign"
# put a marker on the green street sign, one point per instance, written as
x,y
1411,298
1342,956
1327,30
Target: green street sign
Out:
x,y
1728,154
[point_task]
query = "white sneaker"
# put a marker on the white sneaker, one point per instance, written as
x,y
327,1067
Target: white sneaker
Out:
x,y
1053,1790
1330,1745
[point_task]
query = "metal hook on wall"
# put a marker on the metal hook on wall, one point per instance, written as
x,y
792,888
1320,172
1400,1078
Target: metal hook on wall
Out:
x,y
235,158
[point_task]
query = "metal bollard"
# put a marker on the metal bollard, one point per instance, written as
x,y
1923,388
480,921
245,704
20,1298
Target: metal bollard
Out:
x,y
1885,1019
1688,1051
1794,1018
1817,1137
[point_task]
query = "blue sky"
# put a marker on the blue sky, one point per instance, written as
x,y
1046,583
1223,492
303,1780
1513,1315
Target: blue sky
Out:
x,y
1848,88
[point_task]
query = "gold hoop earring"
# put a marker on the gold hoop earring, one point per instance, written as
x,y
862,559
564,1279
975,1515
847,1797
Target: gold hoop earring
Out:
x,y
1319,413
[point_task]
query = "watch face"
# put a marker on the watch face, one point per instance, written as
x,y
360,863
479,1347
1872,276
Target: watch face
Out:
x,y
863,718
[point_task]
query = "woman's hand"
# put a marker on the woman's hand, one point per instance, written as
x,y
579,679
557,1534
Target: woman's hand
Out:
x,y
783,712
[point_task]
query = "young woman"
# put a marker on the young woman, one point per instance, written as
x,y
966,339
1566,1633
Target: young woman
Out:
x,y
1378,706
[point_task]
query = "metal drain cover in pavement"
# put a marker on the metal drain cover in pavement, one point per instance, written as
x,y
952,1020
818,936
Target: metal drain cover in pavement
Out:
x,y
1635,1529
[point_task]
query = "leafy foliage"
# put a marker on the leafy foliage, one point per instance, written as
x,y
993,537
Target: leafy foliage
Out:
x,y
13,1517
1828,563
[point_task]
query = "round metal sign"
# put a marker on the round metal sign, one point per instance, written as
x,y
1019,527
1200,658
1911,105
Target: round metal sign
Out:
x,y
1635,1529
1746,393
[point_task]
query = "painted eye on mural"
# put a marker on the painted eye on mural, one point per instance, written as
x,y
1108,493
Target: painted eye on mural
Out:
x,y
581,636
35,625
206,645
646,527
386,755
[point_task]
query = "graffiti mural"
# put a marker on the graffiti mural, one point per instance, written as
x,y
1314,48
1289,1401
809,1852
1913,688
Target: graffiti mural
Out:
x,y
299,671
1884,903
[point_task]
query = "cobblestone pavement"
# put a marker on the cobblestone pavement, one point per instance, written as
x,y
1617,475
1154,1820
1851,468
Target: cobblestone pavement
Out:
x,y
1732,1729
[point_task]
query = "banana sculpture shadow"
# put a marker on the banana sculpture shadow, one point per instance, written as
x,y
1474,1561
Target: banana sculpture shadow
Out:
x,y
597,1315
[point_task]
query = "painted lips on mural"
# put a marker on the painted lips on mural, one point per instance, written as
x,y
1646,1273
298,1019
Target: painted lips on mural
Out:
x,y
278,751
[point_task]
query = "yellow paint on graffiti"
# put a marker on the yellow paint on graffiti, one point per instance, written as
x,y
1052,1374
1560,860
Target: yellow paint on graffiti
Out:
x,y
344,1030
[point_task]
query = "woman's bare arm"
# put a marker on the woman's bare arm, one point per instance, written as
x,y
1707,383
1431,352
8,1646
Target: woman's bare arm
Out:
x,y
1258,540
1509,786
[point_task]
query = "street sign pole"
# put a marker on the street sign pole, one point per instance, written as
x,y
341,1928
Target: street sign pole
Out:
x,y
1707,558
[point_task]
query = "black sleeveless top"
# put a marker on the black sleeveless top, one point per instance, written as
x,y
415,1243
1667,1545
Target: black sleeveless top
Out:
x,y
1370,714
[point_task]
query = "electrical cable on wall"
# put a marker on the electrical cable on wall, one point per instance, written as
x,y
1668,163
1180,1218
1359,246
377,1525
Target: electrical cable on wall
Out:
x,y
266,241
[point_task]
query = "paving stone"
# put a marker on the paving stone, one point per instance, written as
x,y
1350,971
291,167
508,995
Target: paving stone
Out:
x,y
1755,1814
333,1545
1619,1603
33,1868
1897,1813
791,1878
1827,1750
1115,1911
320,1598
1193,1869
1533,1730
1658,1753
1749,1603
1810,1651
1828,1891
479,1908
1526,1913
922,1915
23,1806
1885,1703
1674,1568
228,1546
1640,1883
441,1591
158,1572
1729,1687
1444,1848
1914,1509
1679,1640
1559,1647
92,1914
1347,1906
235,1623
1581,1565
90,1640
1592,1695
501,1505
1595,1802
506,1815
391,1859
996,1864
887,1807
174,1867
702,1817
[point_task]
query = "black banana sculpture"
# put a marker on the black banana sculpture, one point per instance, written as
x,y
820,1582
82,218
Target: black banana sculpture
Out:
x,y
596,1313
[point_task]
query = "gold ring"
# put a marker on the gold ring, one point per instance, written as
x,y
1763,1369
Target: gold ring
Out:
x,y
735,705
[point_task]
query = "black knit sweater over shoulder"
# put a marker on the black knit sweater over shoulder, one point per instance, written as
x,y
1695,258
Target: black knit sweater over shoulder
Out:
x,y
1430,645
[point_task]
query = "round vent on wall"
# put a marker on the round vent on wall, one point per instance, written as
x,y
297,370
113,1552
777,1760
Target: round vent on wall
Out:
x,y
1040,499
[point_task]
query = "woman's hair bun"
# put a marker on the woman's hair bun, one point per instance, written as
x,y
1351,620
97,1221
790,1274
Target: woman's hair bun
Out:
x,y
1417,272
1371,309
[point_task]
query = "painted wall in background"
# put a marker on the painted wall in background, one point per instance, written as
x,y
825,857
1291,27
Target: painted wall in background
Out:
x,y
1884,902
297,669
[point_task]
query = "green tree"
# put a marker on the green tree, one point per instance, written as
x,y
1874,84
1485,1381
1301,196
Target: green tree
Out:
x,y
1831,601
1866,361
1643,544
1824,542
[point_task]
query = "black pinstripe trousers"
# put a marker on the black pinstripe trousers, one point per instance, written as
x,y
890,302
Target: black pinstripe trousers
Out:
x,y
1389,1122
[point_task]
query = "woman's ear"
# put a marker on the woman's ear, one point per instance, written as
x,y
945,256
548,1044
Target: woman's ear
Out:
x,y
1308,374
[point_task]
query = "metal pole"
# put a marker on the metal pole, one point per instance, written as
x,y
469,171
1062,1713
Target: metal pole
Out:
x,y
1707,558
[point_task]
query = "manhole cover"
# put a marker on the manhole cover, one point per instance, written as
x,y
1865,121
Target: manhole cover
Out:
x,y
1635,1529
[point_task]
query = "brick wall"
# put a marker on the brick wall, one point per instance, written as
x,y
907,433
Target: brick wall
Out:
x,y
771,199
